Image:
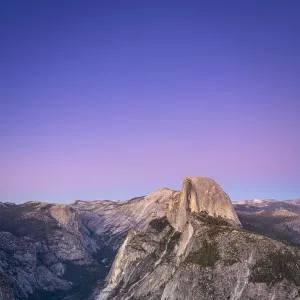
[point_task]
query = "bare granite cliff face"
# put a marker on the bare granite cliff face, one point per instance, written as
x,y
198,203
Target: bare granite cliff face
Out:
x,y
200,195
53,251
111,220
209,259
201,254
41,246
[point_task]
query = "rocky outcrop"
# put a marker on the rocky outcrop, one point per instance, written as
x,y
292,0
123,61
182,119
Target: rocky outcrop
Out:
x,y
6,204
209,259
39,250
294,201
111,220
49,251
200,195
187,254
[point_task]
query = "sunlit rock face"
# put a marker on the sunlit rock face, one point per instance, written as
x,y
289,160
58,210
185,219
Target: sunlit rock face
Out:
x,y
111,220
209,259
53,251
200,251
200,194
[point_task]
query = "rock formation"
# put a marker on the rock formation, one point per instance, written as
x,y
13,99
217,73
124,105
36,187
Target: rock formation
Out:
x,y
49,251
52,251
200,195
111,220
199,252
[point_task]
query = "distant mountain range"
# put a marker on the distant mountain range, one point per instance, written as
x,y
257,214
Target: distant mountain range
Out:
x,y
188,244
276,219
256,201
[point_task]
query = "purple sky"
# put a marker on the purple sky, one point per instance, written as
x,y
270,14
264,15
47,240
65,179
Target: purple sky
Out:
x,y
115,99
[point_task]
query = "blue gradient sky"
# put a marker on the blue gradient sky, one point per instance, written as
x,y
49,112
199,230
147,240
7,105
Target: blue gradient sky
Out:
x,y
115,99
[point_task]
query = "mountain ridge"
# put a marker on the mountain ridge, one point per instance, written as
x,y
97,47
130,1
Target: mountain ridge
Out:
x,y
53,251
55,241
193,243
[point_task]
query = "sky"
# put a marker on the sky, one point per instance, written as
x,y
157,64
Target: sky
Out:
x,y
115,99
